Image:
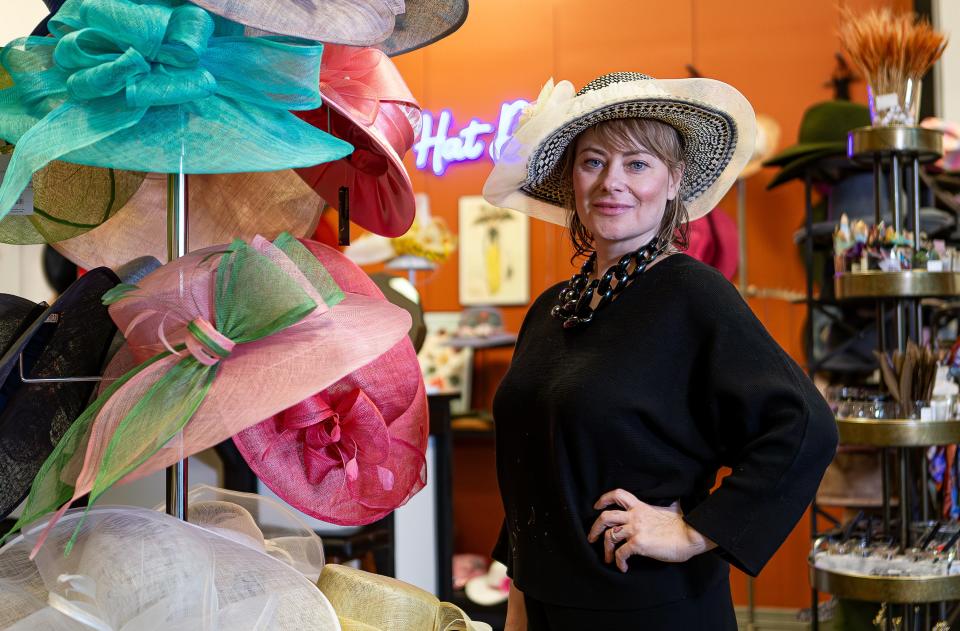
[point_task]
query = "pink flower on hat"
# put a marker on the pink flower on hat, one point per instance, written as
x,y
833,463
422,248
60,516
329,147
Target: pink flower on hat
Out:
x,y
345,432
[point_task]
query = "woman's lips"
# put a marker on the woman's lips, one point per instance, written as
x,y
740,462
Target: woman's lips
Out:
x,y
610,208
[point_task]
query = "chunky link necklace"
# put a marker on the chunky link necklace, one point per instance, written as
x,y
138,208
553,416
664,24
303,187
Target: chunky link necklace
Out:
x,y
574,307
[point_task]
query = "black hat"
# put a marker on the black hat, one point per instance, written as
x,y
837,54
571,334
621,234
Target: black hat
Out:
x,y
68,339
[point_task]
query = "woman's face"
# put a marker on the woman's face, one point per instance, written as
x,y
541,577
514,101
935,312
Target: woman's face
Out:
x,y
620,195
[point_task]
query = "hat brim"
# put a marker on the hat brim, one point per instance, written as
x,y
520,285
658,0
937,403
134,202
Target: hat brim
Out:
x,y
381,198
222,207
716,122
69,200
351,22
258,139
303,359
19,317
423,23
790,154
157,568
479,591
36,415
797,168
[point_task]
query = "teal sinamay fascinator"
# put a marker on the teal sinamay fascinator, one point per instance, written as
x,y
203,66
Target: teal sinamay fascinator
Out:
x,y
160,86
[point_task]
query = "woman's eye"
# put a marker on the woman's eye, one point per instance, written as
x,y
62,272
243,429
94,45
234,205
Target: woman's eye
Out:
x,y
638,165
593,163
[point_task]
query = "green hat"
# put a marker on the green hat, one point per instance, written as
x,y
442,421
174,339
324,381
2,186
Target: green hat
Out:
x,y
158,85
823,133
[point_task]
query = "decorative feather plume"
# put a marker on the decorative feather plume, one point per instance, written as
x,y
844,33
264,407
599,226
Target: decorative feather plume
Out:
x,y
890,49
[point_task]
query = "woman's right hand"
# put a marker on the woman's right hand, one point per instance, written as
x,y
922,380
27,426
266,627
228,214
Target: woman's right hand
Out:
x,y
516,611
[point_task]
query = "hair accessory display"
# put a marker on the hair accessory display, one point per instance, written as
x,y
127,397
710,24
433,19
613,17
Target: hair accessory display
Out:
x,y
158,86
134,568
222,207
367,103
69,339
715,122
202,332
353,452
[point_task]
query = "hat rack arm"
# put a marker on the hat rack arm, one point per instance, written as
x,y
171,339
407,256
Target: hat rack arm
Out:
x,y
26,379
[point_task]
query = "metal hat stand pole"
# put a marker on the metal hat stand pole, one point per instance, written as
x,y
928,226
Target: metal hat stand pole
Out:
x,y
178,244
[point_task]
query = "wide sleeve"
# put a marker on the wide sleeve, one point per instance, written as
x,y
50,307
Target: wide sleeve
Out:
x,y
768,423
501,550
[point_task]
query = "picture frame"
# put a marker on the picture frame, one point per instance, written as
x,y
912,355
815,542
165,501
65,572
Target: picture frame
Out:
x,y
494,254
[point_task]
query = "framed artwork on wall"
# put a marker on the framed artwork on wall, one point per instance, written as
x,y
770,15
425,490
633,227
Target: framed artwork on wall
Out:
x,y
494,254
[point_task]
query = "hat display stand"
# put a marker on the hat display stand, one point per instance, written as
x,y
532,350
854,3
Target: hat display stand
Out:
x,y
897,153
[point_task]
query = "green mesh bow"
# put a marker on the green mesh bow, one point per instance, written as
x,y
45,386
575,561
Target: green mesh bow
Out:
x,y
253,299
161,86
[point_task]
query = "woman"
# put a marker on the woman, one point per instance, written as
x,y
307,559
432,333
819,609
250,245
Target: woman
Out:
x,y
636,381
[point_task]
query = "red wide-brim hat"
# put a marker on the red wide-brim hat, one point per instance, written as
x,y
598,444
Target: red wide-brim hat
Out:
x,y
367,103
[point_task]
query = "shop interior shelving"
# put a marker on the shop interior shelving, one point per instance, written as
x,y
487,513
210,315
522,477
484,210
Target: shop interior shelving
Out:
x,y
899,153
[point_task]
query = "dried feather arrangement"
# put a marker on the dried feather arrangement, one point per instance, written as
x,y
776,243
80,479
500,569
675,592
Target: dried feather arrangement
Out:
x,y
893,51
909,376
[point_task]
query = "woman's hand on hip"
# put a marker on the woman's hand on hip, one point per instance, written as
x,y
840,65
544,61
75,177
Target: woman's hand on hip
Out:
x,y
645,530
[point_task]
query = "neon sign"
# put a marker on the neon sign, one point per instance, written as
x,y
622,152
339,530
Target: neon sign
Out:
x,y
438,149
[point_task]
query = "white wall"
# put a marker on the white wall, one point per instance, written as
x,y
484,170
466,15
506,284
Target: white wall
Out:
x,y
946,17
21,270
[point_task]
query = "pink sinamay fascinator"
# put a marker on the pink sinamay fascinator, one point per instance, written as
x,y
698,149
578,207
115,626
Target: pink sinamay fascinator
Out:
x,y
219,340
366,103
354,452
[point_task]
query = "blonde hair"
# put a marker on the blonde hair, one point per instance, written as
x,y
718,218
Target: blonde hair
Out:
x,y
627,134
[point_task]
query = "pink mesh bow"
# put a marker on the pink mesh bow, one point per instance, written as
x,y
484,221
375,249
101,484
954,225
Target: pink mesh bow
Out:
x,y
366,103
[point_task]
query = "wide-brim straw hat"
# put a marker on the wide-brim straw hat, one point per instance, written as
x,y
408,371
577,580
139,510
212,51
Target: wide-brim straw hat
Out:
x,y
68,200
354,452
162,87
371,602
222,207
217,341
134,568
69,339
367,103
768,138
395,26
716,124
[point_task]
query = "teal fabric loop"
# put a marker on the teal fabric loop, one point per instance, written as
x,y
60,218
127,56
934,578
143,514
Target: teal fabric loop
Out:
x,y
158,85
188,33
151,52
107,78
141,26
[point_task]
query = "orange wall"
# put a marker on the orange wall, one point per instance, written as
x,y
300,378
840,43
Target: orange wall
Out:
x,y
778,53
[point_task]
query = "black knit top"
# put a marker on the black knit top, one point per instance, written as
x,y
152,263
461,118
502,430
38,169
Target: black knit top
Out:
x,y
671,381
